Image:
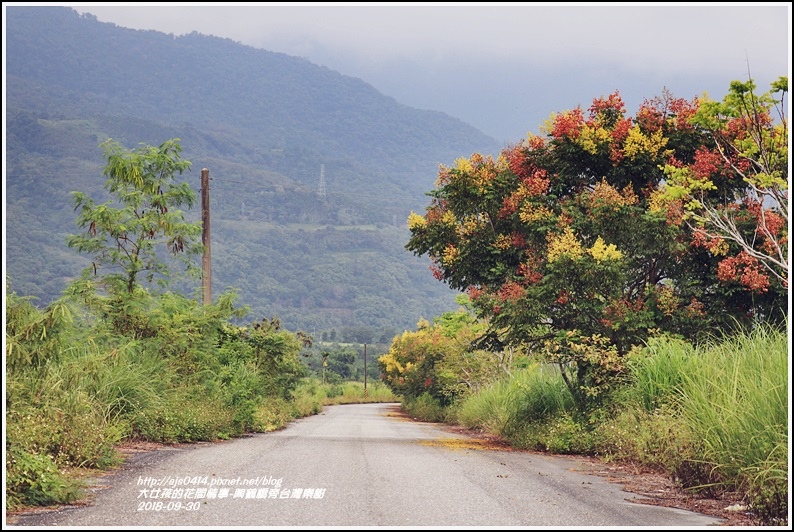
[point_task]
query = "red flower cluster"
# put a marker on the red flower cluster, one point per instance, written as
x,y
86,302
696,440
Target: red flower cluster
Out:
x,y
568,124
537,182
621,129
474,292
683,111
438,273
773,221
613,102
700,239
529,271
530,276
510,291
563,297
517,160
696,308
518,240
618,309
535,142
509,205
649,118
653,114
707,163
745,269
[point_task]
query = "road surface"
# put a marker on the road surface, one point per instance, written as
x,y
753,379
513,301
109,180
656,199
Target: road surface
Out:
x,y
357,465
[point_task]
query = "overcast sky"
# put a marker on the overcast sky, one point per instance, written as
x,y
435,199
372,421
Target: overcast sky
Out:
x,y
501,67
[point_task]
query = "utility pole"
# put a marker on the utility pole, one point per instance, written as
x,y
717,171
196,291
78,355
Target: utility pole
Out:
x,y
206,276
365,371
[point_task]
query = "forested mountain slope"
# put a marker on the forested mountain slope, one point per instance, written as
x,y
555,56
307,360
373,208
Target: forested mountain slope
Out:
x,y
267,126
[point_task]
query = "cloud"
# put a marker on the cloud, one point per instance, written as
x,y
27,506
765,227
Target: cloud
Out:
x,y
672,38
503,67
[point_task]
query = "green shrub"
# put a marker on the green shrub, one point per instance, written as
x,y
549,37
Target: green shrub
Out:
x,y
185,419
34,479
565,435
273,413
657,440
426,408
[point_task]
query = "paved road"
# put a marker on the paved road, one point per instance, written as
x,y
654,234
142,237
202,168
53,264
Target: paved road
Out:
x,y
357,465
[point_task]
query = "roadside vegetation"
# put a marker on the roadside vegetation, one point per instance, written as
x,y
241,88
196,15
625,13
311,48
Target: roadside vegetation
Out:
x,y
76,388
713,417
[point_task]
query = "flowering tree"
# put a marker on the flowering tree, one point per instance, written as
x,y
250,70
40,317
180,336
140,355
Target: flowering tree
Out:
x,y
568,244
438,359
748,146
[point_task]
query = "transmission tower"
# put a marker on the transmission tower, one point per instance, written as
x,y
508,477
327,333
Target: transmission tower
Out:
x,y
321,192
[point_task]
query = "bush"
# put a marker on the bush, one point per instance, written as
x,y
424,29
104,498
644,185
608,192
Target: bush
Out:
x,y
34,479
426,408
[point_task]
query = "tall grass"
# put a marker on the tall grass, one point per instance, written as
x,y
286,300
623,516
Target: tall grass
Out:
x,y
714,417
657,374
509,405
736,402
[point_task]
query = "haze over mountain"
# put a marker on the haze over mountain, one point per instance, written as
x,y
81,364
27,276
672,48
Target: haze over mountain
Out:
x,y
267,126
502,67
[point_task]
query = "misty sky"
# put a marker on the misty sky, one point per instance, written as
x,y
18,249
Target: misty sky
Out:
x,y
501,67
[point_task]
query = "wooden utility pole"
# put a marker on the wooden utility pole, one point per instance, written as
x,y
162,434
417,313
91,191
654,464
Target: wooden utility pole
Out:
x,y
206,276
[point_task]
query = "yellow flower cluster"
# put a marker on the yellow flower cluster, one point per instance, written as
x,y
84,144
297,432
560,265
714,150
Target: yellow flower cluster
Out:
x,y
390,363
530,213
666,300
605,195
477,170
591,137
464,165
415,221
565,244
502,163
450,255
658,201
448,218
637,142
468,227
600,251
503,242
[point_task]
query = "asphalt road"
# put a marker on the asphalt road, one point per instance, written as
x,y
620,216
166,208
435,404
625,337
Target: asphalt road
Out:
x,y
357,465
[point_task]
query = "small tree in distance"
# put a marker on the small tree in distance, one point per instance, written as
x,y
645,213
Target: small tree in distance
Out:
x,y
123,237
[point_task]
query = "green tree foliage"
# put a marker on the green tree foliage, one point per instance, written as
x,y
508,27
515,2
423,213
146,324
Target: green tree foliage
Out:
x,y
270,351
78,383
342,362
123,236
568,245
32,335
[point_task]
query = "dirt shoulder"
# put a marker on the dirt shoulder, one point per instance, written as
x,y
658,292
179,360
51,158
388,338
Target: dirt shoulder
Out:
x,y
655,488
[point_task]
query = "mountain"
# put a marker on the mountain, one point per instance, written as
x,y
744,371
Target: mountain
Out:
x,y
313,173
